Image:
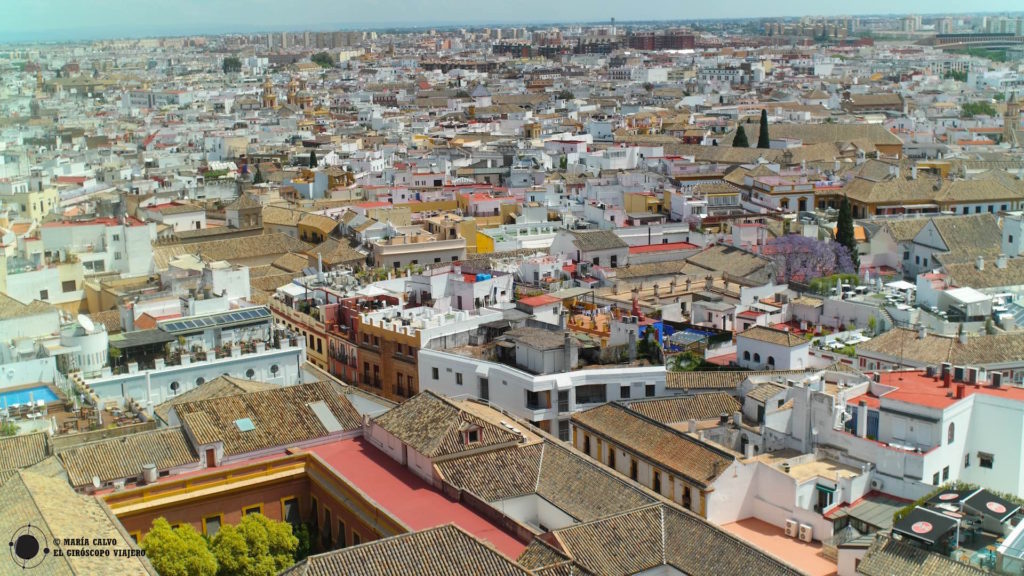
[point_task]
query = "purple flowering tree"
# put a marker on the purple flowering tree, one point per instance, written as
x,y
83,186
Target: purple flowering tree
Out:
x,y
802,259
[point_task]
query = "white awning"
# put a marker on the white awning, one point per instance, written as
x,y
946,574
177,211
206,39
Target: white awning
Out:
x,y
900,285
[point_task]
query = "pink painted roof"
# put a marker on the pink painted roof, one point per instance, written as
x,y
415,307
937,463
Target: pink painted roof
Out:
x,y
405,495
539,300
914,387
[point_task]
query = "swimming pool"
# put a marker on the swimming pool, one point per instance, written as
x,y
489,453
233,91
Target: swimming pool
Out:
x,y
22,396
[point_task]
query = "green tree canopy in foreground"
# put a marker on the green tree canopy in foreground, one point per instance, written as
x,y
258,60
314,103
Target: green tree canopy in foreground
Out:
x,y
256,546
178,551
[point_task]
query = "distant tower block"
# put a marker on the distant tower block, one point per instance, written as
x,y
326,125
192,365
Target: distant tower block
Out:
x,y
613,26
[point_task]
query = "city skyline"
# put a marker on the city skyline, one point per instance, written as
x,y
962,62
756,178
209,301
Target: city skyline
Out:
x,y
63,20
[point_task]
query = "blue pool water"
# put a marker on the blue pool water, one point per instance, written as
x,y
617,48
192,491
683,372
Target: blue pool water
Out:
x,y
21,396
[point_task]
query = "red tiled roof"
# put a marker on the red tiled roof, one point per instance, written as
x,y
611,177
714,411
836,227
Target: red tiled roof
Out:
x,y
662,247
396,489
71,179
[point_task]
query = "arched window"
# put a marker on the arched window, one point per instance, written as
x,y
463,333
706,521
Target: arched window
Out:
x,y
771,360
950,434
757,357
746,354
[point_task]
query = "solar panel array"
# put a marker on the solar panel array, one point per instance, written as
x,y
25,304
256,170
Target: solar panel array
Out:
x,y
244,315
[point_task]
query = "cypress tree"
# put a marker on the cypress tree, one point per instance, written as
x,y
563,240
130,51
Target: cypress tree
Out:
x,y
844,230
740,141
258,177
312,159
763,140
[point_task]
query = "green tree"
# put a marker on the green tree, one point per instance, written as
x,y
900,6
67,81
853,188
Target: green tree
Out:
x,y
958,75
178,551
972,109
844,230
231,64
256,546
648,86
323,59
763,140
740,141
305,547
312,159
565,95
8,429
256,179
999,97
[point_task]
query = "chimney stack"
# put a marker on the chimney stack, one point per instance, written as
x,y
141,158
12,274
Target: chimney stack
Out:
x,y
862,419
737,418
922,332
960,390
691,425
913,173
963,338
947,379
1001,261
979,263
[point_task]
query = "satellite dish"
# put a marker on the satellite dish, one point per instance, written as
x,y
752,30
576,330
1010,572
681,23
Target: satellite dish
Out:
x,y
86,323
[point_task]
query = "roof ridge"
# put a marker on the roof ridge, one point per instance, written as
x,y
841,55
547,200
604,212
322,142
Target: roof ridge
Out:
x,y
661,518
540,466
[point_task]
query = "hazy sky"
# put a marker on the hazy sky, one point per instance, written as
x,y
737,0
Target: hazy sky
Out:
x,y
27,20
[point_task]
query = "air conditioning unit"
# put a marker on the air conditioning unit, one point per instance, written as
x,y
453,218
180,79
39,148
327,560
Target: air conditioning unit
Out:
x,y
876,484
806,532
791,528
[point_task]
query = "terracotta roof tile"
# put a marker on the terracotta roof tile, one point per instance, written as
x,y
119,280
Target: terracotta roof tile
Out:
x,y
125,456
656,442
434,426
443,551
683,408
280,417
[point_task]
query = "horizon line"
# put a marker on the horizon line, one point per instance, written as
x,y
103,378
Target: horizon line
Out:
x,y
400,27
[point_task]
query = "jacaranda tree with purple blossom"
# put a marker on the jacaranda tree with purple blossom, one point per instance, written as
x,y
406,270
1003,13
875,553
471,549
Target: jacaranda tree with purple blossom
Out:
x,y
802,259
